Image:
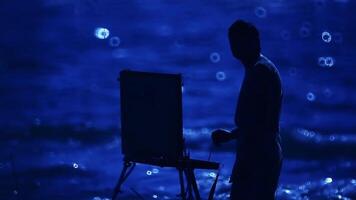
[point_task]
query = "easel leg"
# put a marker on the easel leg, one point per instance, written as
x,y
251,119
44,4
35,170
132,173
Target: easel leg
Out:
x,y
194,184
124,174
181,181
189,185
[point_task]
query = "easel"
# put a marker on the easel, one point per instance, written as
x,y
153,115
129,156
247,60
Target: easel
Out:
x,y
147,99
185,166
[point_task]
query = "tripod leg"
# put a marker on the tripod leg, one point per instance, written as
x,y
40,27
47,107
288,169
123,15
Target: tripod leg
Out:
x,y
122,178
194,184
181,181
189,184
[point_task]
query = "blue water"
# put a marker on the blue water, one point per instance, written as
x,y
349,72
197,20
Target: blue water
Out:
x,y
59,105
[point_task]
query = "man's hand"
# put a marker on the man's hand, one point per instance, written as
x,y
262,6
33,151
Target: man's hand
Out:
x,y
220,136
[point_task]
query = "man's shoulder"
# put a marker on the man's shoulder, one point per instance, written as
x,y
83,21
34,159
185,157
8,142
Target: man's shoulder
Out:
x,y
265,66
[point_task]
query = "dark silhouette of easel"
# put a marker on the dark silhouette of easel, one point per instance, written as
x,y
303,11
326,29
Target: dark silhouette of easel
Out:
x,y
151,111
185,166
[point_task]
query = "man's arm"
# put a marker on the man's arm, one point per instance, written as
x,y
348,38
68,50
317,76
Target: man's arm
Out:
x,y
221,136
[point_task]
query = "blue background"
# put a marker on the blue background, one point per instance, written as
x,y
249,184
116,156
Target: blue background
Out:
x,y
59,105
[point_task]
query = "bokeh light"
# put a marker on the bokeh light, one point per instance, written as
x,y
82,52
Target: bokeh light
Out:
x,y
332,138
328,180
310,96
101,33
329,61
214,57
75,165
114,41
260,12
155,170
212,174
220,76
321,62
326,37
326,61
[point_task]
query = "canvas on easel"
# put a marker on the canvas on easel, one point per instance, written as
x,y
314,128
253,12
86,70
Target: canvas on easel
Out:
x,y
152,129
151,115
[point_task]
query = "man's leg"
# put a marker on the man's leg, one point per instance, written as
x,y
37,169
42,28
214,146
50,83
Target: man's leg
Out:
x,y
256,188
267,182
260,184
240,189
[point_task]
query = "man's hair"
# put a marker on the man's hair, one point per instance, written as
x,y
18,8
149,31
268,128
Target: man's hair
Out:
x,y
242,29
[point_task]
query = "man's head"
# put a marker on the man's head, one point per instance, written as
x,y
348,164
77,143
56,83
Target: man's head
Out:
x,y
244,41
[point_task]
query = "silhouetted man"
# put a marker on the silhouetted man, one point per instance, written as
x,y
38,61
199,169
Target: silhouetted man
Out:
x,y
258,160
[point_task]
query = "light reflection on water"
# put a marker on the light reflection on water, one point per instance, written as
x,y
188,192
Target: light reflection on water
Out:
x,y
67,165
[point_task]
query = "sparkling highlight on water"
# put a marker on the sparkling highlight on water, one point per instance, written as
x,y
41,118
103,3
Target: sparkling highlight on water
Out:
x,y
114,41
326,36
311,96
260,12
220,76
214,57
75,165
101,33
